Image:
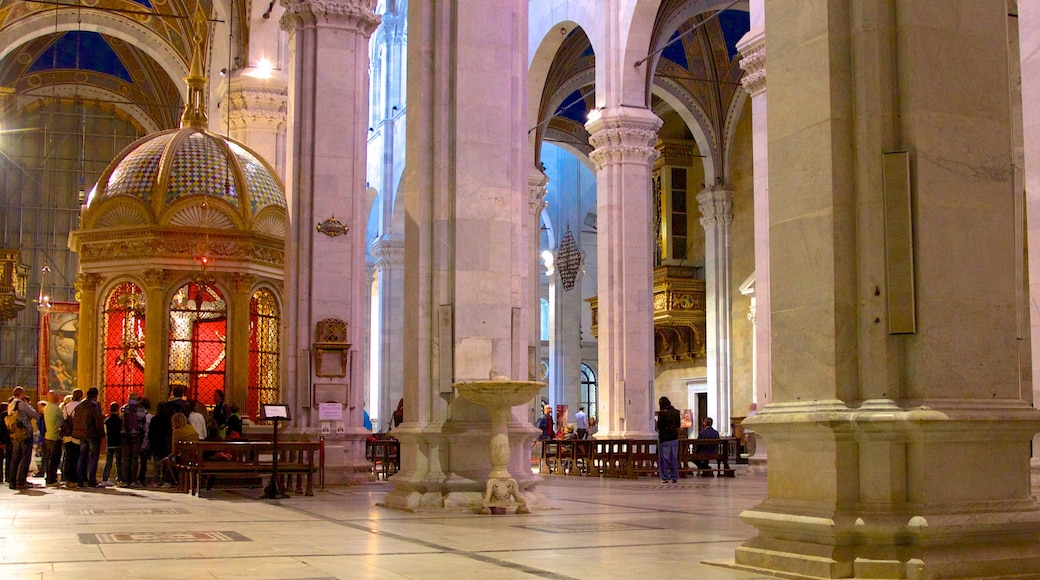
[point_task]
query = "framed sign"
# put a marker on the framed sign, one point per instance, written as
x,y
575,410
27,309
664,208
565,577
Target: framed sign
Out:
x,y
274,412
59,336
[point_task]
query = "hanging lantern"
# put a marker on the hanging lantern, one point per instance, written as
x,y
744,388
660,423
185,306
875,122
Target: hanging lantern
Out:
x,y
568,260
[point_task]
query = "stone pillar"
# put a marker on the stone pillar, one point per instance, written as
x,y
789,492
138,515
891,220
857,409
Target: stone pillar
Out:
x,y
89,345
155,337
328,125
753,50
237,381
903,452
536,190
624,139
716,204
389,255
1029,42
467,261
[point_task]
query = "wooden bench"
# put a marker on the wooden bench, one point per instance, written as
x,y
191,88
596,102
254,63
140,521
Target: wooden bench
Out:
x,y
296,460
632,458
715,452
385,455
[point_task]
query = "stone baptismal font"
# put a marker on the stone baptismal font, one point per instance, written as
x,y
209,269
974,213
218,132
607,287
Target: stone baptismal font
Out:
x,y
500,394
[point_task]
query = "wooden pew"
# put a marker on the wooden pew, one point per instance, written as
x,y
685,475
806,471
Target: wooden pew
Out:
x,y
713,451
297,460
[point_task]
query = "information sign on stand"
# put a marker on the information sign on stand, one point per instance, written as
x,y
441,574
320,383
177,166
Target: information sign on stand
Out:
x,y
276,413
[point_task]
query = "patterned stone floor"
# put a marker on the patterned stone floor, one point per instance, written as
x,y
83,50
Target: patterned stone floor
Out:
x,y
585,528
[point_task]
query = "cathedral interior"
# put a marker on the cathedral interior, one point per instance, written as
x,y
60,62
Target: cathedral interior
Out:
x,y
342,205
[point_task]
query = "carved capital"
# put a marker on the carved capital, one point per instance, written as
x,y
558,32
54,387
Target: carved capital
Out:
x,y
356,15
87,282
242,283
754,65
716,204
623,135
155,278
388,252
536,182
251,105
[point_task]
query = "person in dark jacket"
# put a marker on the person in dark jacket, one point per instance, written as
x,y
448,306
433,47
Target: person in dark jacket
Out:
x,y
668,441
89,428
114,435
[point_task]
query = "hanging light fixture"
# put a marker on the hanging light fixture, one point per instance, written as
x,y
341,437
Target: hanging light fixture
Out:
x,y
43,299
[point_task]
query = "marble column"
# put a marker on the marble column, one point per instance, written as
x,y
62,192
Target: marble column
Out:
x,y
325,273
89,346
716,205
753,60
624,139
389,255
467,262
903,452
1029,42
536,190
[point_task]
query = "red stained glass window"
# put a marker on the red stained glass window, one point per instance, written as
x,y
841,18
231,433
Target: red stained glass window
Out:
x,y
122,332
198,340
264,327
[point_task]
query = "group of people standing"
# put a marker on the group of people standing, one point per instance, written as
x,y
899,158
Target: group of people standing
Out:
x,y
75,428
577,430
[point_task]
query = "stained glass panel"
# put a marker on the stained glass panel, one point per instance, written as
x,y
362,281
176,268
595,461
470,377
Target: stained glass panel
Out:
x,y
264,324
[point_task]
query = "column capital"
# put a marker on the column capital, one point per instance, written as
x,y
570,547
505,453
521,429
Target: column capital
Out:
x,y
87,282
536,182
242,283
249,102
716,204
754,65
357,15
388,252
154,278
622,134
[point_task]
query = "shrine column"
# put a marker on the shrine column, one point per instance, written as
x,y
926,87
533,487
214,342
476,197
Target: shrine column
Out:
x,y
237,384
389,255
716,204
89,346
155,339
899,429
624,139
325,186
467,253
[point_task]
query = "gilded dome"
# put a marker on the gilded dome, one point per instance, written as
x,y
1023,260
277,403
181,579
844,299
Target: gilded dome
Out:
x,y
188,177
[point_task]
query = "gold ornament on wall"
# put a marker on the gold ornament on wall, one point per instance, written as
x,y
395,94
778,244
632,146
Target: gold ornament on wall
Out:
x,y
332,227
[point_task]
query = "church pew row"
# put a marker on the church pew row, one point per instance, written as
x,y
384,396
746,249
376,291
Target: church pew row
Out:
x,y
632,458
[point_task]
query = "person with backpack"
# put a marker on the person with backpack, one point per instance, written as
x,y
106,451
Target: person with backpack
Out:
x,y
134,425
19,421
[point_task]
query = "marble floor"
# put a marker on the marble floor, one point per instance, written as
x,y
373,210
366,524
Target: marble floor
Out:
x,y
586,528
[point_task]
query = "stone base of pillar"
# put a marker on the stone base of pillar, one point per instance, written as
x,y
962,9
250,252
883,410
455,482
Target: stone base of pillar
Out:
x,y
345,459
423,486
941,490
757,459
